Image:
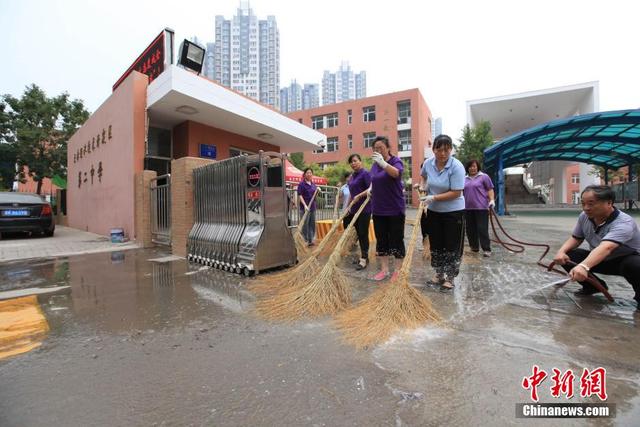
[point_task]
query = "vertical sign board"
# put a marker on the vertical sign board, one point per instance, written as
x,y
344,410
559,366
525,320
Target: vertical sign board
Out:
x,y
208,151
155,58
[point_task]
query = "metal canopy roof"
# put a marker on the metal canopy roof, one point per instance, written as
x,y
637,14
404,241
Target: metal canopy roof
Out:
x,y
610,139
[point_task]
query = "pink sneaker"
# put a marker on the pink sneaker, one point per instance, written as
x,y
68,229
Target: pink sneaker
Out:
x,y
382,275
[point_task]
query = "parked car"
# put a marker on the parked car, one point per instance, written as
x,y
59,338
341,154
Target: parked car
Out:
x,y
26,212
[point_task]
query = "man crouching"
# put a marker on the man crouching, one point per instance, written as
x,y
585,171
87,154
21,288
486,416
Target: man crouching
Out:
x,y
613,238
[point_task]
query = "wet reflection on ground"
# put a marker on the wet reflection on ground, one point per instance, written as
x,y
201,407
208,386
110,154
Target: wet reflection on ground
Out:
x,y
161,341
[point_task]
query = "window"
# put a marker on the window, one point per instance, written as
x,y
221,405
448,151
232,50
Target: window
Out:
x,y
404,140
323,166
326,121
350,141
575,178
349,116
369,114
234,152
317,122
368,139
332,120
404,112
332,144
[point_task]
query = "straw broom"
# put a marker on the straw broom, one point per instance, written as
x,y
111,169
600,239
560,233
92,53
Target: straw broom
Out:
x,y
301,273
326,292
391,308
302,248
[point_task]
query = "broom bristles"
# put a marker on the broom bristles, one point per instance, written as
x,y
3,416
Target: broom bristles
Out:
x,y
327,293
391,308
301,273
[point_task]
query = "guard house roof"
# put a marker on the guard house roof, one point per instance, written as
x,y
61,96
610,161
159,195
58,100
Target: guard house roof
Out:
x,y
610,139
177,95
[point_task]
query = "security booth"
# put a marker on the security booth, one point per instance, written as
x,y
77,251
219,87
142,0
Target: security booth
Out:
x,y
161,116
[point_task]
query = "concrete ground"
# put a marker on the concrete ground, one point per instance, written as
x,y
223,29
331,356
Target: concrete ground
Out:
x,y
142,338
66,241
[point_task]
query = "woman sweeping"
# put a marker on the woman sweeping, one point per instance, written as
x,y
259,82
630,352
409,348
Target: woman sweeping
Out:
x,y
306,190
443,176
388,206
479,197
359,183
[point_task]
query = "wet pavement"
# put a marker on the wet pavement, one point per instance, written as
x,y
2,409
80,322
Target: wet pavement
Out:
x,y
140,338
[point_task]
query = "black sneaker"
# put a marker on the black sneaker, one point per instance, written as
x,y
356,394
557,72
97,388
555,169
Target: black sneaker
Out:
x,y
362,264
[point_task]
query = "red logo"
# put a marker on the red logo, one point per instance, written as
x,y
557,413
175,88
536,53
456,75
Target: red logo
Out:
x,y
591,383
254,176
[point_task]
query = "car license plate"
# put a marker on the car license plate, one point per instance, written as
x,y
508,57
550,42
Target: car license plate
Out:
x,y
16,212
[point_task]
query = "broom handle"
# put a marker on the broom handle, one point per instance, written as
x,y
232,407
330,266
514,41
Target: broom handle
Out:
x,y
406,263
335,208
325,240
338,249
306,213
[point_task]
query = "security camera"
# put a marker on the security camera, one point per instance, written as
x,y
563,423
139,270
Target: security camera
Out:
x,y
322,143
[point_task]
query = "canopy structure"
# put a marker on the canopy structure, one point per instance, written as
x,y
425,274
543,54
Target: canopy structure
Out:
x,y
293,174
610,139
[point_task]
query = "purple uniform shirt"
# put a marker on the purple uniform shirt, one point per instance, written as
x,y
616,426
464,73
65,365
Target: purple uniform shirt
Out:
x,y
476,191
386,192
359,182
306,190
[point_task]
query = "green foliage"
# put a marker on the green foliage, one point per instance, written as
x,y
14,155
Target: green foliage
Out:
x,y
297,160
334,173
39,128
8,158
474,141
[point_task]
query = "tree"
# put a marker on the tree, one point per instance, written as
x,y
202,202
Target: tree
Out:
x,y
297,160
39,128
7,152
474,141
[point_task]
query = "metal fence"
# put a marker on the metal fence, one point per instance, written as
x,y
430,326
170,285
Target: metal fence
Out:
x,y
161,209
626,191
325,203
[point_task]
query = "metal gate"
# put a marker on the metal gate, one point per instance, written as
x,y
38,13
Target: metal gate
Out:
x,y
161,210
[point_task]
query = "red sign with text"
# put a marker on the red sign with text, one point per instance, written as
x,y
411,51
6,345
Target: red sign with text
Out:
x,y
151,62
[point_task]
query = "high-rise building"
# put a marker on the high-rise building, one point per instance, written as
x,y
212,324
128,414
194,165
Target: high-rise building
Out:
x,y
295,97
436,128
208,68
246,55
343,85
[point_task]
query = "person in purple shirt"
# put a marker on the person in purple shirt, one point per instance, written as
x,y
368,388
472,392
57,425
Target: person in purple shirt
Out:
x,y
306,190
388,206
479,197
359,184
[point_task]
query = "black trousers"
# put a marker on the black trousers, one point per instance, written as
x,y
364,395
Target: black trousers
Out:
x,y
389,235
626,266
477,221
423,225
362,229
446,239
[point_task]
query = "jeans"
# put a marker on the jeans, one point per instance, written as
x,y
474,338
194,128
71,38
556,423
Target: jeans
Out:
x,y
309,227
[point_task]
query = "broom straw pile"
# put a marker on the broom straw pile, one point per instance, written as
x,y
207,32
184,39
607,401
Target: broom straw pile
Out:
x,y
301,273
391,308
325,292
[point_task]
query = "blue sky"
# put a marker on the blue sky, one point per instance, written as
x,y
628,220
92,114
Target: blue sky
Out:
x,y
453,51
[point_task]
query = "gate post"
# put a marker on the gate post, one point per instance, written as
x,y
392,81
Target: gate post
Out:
x,y
182,201
143,208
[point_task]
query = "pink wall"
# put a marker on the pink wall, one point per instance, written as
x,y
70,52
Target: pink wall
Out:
x,y
568,172
101,203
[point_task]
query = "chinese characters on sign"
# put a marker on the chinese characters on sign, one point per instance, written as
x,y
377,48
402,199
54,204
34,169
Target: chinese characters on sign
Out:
x,y
94,144
151,62
591,383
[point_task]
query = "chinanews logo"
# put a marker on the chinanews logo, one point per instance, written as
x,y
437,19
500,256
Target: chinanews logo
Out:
x,y
592,383
254,176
